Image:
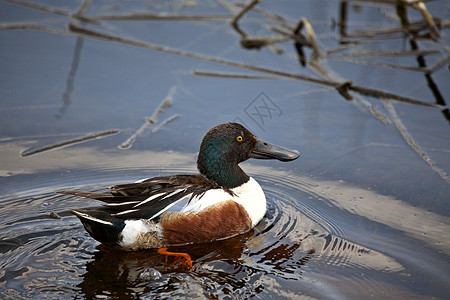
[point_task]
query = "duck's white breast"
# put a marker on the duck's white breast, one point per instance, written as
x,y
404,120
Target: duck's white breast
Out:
x,y
250,195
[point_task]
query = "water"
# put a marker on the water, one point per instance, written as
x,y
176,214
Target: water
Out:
x,y
363,213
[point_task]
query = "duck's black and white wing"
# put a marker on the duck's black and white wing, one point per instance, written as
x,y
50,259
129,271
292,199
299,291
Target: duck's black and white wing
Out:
x,y
151,197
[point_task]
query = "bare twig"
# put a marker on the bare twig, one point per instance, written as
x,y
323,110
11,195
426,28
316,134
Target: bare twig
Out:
x,y
253,42
230,7
231,75
256,42
166,103
41,7
382,94
393,32
389,2
86,138
389,53
163,123
130,141
274,18
235,20
372,92
428,19
149,121
153,16
410,141
83,8
22,26
379,64
317,51
295,37
438,64
66,97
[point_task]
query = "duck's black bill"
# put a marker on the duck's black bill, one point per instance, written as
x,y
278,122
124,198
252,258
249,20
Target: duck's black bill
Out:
x,y
265,150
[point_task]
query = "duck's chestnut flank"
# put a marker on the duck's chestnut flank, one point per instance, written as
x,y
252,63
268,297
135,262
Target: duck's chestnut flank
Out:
x,y
223,219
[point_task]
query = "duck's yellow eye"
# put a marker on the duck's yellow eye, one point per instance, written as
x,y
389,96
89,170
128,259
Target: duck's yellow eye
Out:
x,y
239,139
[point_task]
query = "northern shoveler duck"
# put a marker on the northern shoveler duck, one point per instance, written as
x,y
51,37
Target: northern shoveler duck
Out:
x,y
166,211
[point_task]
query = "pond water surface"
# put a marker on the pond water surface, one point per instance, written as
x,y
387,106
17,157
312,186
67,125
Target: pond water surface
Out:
x,y
363,213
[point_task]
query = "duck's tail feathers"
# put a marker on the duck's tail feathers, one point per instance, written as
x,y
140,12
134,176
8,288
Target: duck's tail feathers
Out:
x,y
98,196
101,225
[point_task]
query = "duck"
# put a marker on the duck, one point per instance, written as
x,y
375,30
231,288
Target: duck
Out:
x,y
160,212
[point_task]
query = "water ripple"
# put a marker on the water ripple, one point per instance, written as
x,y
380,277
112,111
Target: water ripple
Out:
x,y
303,239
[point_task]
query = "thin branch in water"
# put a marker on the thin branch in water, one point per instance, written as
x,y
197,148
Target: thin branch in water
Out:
x,y
295,37
429,20
253,42
163,123
343,89
83,139
41,7
231,75
130,141
83,8
410,141
79,14
387,53
317,51
157,17
256,42
24,26
340,48
235,20
392,32
71,78
372,92
437,65
382,94
378,64
228,6
164,104
274,18
149,121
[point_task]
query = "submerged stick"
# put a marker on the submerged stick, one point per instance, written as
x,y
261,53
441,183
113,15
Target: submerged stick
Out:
x,y
428,19
317,51
83,7
22,26
388,53
130,141
149,121
235,20
410,141
231,75
372,92
86,138
438,64
152,16
378,64
41,7
164,104
163,123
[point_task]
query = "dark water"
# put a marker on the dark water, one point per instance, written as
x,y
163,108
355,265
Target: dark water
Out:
x,y
363,213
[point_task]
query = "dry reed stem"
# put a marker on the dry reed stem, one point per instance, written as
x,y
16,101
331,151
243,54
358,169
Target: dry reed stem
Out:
x,y
231,75
86,138
411,142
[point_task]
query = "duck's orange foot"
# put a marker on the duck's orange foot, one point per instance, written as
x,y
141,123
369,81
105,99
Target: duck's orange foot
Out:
x,y
180,258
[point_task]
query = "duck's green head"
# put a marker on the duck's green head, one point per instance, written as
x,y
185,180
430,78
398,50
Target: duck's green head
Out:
x,y
226,145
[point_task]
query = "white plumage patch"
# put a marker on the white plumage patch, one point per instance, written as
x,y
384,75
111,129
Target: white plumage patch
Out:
x,y
250,195
135,227
150,199
86,216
